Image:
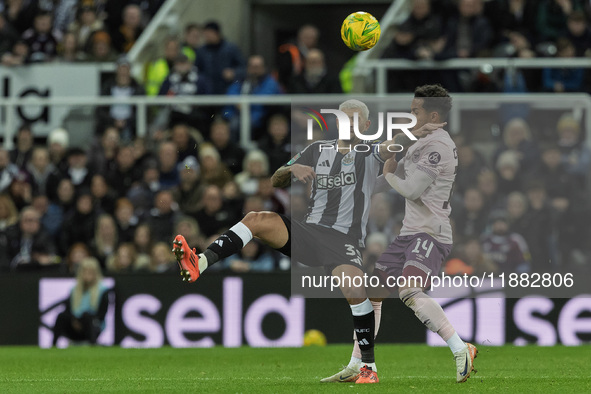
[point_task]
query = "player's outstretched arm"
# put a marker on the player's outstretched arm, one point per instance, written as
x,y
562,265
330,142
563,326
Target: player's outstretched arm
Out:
x,y
282,177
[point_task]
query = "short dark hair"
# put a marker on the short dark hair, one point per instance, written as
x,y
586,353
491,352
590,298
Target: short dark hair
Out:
x,y
439,99
192,26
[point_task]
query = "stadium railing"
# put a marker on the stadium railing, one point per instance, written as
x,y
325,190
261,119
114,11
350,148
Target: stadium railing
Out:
x,y
577,103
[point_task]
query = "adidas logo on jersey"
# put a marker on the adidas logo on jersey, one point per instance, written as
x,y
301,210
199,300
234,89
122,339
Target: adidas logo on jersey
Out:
x,y
330,182
324,163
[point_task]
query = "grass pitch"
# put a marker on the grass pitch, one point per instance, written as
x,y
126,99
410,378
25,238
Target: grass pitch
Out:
x,y
402,368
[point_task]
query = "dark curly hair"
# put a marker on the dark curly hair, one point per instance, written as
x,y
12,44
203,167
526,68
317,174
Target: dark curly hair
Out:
x,y
438,101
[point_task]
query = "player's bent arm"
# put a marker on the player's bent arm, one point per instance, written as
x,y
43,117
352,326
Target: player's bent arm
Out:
x,y
411,187
282,177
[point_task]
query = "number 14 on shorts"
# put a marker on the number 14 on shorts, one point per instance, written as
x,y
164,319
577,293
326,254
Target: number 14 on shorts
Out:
x,y
426,245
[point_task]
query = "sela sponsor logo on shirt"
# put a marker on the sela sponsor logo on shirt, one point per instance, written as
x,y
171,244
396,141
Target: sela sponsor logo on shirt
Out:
x,y
344,129
328,182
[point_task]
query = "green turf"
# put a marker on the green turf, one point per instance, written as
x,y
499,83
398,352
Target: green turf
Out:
x,y
402,368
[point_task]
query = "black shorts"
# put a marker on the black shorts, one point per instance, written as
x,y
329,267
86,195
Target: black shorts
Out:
x,y
318,246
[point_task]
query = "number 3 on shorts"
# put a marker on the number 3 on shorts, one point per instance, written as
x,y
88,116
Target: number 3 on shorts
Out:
x,y
426,246
353,251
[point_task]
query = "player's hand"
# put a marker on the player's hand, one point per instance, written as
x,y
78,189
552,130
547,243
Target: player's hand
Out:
x,y
303,173
427,129
390,166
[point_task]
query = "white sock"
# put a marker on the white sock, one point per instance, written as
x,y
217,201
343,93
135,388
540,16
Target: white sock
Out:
x,y
355,363
243,232
455,343
372,366
202,263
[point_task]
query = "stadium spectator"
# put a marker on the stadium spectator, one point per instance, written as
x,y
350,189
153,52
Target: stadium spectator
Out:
x,y
213,171
20,190
126,260
189,192
106,239
575,155
508,251
75,255
168,160
417,37
103,196
85,24
185,80
77,169
517,137
86,307
161,260
65,196
29,246
57,143
256,167
514,22
230,151
189,228
8,35
470,260
186,140
487,185
64,12
17,56
535,225
552,18
44,177
19,14
560,80
79,223
214,216
509,174
8,170
51,218
274,199
142,239
579,33
315,79
470,164
291,56
468,34
101,50
218,60
125,35
162,216
257,82
191,40
24,146
254,257
276,143
233,199
40,39
471,219
159,69
8,218
121,115
125,219
142,193
104,151
124,173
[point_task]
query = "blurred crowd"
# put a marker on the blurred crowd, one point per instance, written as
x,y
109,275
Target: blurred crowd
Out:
x,y
446,29
522,208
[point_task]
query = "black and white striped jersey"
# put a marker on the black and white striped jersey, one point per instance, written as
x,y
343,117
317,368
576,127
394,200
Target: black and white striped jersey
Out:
x,y
341,196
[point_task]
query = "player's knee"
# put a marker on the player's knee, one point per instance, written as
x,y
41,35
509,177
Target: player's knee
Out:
x,y
256,221
408,295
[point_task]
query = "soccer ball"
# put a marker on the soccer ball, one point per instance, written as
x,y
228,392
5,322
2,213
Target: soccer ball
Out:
x,y
360,31
314,338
